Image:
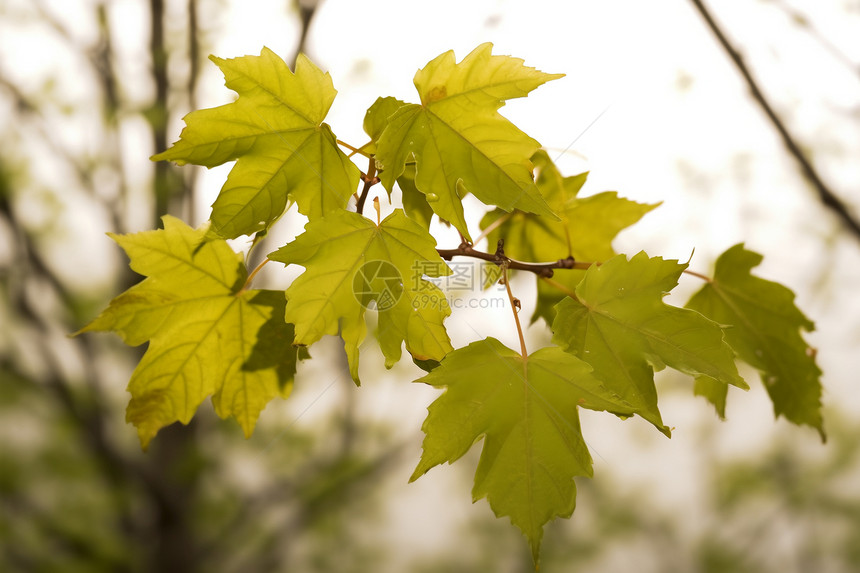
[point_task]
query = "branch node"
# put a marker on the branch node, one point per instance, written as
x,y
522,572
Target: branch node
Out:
x,y
500,252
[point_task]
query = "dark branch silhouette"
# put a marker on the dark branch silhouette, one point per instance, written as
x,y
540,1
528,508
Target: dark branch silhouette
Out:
x,y
827,196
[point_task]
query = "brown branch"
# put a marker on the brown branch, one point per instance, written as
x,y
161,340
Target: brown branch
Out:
x,y
370,179
498,258
158,111
306,15
828,197
193,53
190,175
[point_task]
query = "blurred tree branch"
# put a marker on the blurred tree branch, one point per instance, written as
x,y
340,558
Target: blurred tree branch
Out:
x,y
306,9
830,199
803,22
148,507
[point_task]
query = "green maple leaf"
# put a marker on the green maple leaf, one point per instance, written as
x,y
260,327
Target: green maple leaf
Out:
x,y
526,410
586,229
457,138
765,332
619,324
714,392
414,202
207,334
377,115
375,121
275,132
350,261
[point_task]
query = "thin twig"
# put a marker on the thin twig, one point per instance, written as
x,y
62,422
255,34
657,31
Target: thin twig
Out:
x,y
306,16
802,21
541,269
828,197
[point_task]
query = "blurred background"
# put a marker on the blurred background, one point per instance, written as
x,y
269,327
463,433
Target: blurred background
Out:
x,y
752,136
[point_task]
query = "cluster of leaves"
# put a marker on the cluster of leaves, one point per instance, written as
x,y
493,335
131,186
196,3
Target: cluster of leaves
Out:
x,y
210,334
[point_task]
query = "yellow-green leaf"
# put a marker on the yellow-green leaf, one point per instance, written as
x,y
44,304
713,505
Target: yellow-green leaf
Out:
x,y
586,229
350,262
275,132
620,325
207,336
459,141
414,202
526,410
377,115
714,392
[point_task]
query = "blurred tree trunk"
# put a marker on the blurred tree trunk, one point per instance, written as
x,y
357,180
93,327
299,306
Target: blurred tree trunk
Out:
x,y
134,512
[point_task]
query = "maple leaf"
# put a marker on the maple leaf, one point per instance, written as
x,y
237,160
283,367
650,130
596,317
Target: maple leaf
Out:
x,y
458,140
526,410
207,335
349,262
375,121
586,229
619,324
765,333
376,118
414,202
714,392
275,131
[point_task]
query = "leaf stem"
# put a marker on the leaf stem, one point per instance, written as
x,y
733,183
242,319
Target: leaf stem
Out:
x,y
560,287
515,307
258,238
492,227
252,275
567,238
699,275
355,150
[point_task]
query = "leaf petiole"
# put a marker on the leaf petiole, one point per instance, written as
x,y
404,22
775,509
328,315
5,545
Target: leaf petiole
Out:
x,y
560,287
355,150
492,227
515,307
698,275
252,275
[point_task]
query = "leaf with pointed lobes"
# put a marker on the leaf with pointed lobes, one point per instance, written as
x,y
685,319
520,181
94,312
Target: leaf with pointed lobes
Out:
x,y
350,262
207,334
378,114
765,332
586,230
526,410
620,325
275,133
458,140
